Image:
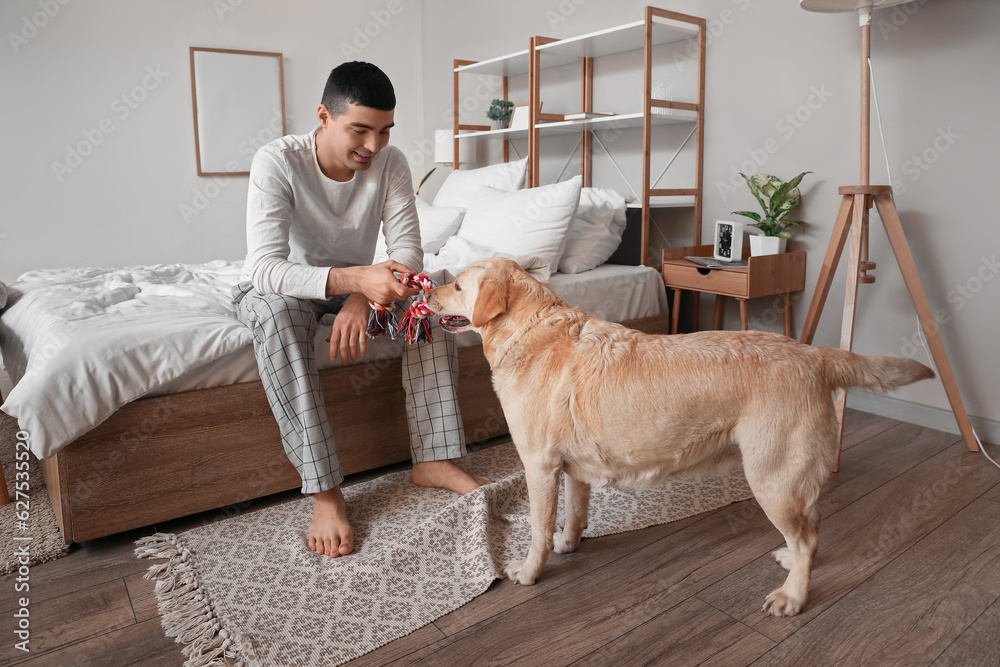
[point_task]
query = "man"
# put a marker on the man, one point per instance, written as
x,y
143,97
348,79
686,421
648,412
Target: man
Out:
x,y
314,208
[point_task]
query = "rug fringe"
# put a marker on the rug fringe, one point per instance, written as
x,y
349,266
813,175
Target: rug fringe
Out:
x,y
186,612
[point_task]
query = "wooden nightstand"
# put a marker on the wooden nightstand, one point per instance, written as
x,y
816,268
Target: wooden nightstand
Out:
x,y
768,275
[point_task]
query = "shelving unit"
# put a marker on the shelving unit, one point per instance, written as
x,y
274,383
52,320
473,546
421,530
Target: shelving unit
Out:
x,y
658,27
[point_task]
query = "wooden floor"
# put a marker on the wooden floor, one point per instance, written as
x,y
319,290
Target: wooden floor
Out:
x,y
908,572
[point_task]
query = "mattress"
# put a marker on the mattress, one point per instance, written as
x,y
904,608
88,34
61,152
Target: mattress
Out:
x,y
80,343
611,292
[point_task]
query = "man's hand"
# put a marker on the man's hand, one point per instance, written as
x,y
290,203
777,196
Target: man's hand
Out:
x,y
376,282
348,337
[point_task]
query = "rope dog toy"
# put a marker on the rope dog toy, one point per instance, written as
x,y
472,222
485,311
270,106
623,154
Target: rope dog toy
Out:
x,y
414,326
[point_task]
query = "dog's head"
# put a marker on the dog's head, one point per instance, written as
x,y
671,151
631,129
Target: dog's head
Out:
x,y
480,294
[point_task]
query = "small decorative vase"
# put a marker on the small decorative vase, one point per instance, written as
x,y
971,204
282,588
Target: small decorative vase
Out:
x,y
498,124
766,245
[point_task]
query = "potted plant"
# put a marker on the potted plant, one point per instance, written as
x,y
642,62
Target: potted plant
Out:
x,y
424,180
781,198
499,113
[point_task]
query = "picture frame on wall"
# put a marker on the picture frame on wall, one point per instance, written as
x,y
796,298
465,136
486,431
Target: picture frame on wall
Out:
x,y
238,102
519,117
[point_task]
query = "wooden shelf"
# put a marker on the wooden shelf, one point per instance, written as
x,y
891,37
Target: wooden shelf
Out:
x,y
657,28
628,37
665,202
511,64
496,134
620,121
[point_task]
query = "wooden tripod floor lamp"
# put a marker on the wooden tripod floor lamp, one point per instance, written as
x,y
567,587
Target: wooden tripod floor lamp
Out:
x,y
856,201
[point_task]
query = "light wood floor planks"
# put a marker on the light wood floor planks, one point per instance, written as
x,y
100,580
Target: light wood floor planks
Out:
x,y
908,572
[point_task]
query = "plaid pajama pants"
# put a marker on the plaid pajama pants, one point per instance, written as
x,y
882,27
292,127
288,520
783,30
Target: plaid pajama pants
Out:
x,y
283,330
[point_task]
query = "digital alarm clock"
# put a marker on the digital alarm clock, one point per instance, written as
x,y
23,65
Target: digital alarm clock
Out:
x,y
729,240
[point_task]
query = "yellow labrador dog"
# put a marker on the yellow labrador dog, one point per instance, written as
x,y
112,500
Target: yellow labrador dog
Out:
x,y
608,405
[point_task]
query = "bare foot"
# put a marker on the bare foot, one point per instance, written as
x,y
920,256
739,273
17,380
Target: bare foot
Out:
x,y
446,475
329,532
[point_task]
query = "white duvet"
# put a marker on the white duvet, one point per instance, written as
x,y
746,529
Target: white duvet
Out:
x,y
95,339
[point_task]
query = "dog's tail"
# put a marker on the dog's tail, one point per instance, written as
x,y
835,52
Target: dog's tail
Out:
x,y
846,369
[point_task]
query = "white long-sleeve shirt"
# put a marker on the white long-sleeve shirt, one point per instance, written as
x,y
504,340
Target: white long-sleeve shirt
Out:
x,y
301,223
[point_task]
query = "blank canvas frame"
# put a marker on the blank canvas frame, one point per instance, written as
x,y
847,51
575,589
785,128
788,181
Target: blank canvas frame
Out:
x,y
239,105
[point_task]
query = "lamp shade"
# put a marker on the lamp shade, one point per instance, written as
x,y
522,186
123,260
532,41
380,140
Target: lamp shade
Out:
x,y
444,152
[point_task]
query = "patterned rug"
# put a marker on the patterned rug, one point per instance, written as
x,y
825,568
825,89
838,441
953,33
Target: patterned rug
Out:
x,y
29,527
247,589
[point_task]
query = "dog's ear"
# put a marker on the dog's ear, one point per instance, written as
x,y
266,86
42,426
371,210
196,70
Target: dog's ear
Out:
x,y
490,302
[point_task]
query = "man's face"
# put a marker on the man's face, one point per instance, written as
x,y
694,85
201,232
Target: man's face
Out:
x,y
349,142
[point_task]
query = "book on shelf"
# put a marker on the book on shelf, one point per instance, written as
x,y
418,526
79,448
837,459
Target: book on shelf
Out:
x,y
585,114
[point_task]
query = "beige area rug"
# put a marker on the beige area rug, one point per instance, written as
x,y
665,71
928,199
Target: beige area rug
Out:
x,y
249,590
39,535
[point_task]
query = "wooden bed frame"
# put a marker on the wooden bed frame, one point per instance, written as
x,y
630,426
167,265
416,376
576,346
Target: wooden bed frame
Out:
x,y
165,457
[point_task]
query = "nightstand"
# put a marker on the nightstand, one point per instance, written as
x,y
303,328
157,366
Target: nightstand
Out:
x,y
767,275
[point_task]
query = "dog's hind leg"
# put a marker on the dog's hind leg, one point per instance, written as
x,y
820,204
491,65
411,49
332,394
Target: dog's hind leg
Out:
x,y
799,531
543,496
577,507
789,500
783,555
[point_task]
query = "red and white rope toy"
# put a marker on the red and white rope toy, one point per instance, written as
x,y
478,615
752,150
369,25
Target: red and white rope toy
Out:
x,y
414,325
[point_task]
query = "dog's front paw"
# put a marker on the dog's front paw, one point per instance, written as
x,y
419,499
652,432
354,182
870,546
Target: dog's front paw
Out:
x,y
517,572
562,544
779,603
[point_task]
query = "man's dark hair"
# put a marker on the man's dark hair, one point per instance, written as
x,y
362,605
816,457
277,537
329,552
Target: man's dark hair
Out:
x,y
358,83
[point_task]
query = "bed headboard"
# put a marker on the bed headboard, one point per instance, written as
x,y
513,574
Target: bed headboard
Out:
x,y
629,251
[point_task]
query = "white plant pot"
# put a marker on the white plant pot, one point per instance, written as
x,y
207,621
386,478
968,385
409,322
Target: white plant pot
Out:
x,y
766,245
497,124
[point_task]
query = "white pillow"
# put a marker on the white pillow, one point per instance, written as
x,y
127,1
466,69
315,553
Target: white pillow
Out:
x,y
530,222
596,231
437,224
461,185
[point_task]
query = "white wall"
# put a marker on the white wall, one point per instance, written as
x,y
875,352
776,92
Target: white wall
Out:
x,y
768,60
125,202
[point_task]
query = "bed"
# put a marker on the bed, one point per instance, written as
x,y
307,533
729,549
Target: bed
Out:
x,y
139,392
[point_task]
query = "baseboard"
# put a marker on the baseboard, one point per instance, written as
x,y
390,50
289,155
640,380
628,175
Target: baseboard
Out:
x,y
921,415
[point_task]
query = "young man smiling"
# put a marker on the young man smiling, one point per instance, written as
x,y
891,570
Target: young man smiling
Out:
x,y
314,208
